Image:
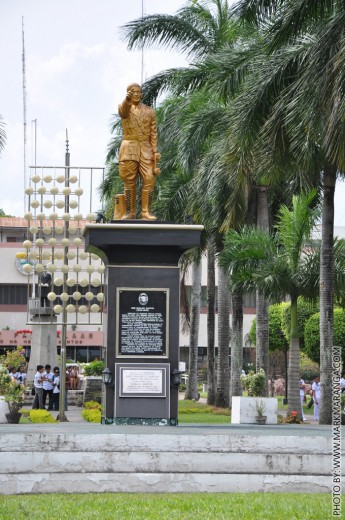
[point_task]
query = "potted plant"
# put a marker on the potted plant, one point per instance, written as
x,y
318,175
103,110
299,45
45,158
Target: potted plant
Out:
x,y
243,408
14,396
260,410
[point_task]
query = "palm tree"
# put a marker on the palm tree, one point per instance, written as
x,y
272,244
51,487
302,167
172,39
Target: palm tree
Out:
x,y
192,385
277,265
223,373
313,110
197,30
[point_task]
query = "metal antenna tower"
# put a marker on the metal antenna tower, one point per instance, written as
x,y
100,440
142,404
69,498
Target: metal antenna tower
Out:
x,y
24,104
142,47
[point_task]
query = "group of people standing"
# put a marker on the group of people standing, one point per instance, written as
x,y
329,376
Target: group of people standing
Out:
x,y
18,375
46,384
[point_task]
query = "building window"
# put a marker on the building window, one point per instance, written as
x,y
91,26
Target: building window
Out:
x,y
13,294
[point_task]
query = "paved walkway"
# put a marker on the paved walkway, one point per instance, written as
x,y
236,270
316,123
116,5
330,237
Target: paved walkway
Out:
x,y
77,425
73,414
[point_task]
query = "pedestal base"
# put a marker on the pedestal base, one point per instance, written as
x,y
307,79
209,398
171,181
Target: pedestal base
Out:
x,y
142,316
132,421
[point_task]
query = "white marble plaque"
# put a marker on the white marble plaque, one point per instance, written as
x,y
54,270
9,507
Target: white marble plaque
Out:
x,y
141,381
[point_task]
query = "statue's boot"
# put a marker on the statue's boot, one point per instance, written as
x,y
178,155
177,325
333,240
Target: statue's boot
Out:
x,y
130,195
119,206
146,204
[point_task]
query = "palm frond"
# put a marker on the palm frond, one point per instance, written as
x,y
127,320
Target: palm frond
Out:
x,y
167,31
294,226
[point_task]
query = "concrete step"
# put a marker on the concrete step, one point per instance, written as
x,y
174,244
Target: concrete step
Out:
x,y
56,458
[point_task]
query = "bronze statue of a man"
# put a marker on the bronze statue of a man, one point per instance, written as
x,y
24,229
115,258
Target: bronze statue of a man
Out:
x,y
138,152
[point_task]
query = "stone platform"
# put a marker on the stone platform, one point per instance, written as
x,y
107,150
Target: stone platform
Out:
x,y
79,457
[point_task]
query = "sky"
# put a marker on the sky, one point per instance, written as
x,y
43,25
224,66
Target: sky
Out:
x,y
77,71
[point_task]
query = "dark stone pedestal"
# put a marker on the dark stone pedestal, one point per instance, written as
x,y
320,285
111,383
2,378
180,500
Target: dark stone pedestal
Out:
x,y
142,316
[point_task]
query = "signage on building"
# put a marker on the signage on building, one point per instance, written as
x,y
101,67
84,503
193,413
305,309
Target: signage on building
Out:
x,y
87,339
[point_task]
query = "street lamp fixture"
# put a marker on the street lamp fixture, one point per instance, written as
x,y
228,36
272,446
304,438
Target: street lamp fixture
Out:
x,y
176,377
107,377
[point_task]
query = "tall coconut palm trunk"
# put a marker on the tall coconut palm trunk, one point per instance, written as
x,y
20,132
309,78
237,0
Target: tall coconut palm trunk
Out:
x,y
326,293
294,401
262,335
192,386
211,299
223,372
236,345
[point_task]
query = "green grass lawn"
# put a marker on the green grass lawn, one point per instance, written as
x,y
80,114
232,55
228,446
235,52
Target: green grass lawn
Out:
x,y
191,506
199,413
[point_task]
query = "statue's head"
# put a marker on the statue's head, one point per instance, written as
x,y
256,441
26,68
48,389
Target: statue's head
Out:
x,y
133,85
135,90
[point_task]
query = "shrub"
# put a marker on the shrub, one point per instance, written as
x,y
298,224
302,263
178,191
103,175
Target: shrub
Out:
x,y
257,384
312,334
309,369
91,415
254,383
5,380
41,416
14,358
14,396
92,405
95,368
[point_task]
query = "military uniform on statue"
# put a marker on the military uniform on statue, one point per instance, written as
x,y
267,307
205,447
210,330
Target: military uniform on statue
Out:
x,y
138,153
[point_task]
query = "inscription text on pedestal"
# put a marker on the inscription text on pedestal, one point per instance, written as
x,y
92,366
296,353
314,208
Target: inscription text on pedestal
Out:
x,y
142,322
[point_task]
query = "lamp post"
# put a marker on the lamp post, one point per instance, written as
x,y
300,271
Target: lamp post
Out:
x,y
62,401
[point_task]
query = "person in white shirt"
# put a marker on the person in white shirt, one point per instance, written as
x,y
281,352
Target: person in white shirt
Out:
x,y
56,390
21,375
316,388
342,382
48,387
302,394
38,384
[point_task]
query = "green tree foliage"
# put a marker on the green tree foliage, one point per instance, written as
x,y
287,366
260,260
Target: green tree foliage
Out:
x,y
305,309
13,358
309,369
277,265
277,338
312,334
95,368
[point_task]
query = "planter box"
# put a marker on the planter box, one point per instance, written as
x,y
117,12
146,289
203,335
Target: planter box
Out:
x,y
93,389
243,410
